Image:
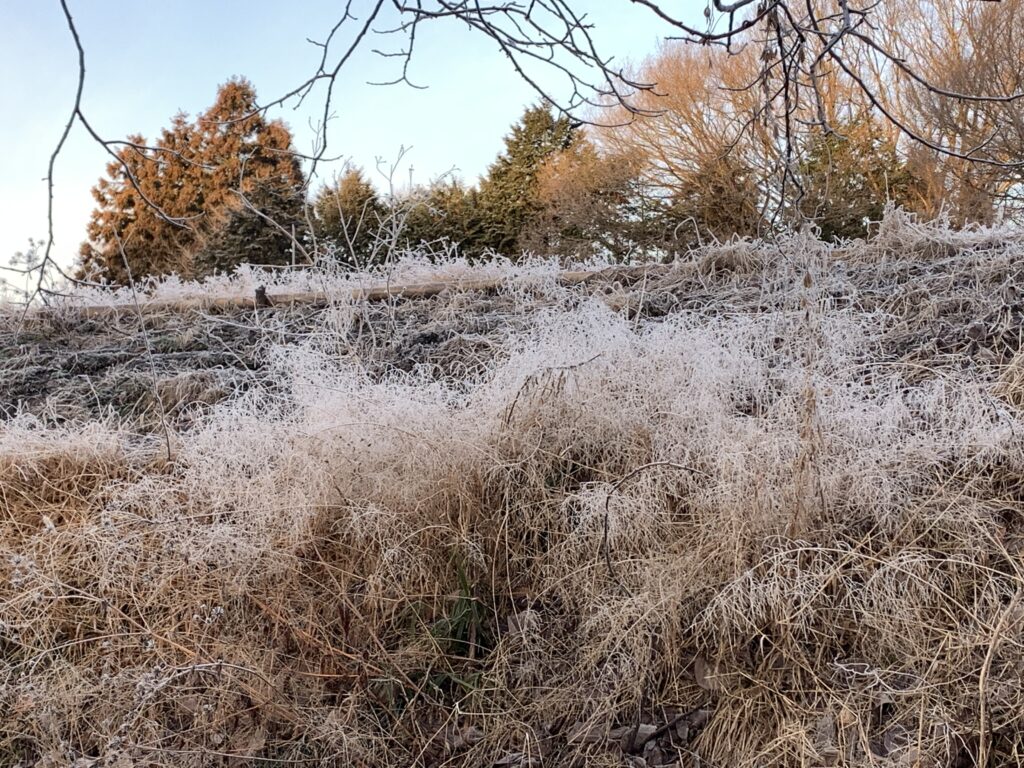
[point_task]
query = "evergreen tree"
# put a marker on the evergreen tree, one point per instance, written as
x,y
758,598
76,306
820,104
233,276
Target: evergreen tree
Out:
x,y
589,203
718,199
193,175
445,212
349,214
125,220
256,230
849,175
508,194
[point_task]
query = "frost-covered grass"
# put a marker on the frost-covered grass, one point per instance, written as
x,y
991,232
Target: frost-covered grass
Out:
x,y
326,279
781,500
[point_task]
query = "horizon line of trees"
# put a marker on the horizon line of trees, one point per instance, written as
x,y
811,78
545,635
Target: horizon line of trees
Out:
x,y
228,187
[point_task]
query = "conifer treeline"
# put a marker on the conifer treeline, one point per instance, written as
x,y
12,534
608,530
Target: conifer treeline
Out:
x,y
204,198
227,188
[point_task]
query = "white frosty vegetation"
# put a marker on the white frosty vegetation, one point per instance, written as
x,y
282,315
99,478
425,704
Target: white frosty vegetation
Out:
x,y
749,505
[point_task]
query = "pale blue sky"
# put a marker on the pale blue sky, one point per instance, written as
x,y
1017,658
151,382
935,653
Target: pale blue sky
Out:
x,y
146,61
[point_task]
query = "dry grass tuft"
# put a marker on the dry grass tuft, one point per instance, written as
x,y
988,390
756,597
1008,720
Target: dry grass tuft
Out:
x,y
759,508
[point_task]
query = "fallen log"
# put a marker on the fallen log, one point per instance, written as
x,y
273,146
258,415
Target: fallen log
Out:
x,y
377,292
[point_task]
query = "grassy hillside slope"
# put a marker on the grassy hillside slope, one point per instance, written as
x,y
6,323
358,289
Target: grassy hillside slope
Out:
x,y
761,507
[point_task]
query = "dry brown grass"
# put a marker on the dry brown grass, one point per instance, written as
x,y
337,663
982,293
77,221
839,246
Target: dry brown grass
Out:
x,y
775,525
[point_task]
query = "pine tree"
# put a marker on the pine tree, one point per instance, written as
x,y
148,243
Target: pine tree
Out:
x,y
258,230
183,213
349,214
126,227
444,213
254,188
590,202
508,194
849,175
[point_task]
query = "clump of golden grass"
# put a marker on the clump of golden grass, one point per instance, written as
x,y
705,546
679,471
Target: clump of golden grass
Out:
x,y
764,529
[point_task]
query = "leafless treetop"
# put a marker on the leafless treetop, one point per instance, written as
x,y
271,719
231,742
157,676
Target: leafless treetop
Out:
x,y
799,40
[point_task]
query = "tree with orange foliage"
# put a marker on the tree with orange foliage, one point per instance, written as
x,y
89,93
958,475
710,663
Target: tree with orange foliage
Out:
x,y
722,167
588,203
191,202
961,47
700,147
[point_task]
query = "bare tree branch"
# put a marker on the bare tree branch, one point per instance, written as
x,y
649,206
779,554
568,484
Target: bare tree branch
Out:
x,y
798,38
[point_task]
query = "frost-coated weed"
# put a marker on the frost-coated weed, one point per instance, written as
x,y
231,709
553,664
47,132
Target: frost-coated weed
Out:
x,y
774,489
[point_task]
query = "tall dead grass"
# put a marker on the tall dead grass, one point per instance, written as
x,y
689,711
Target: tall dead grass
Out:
x,y
765,528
